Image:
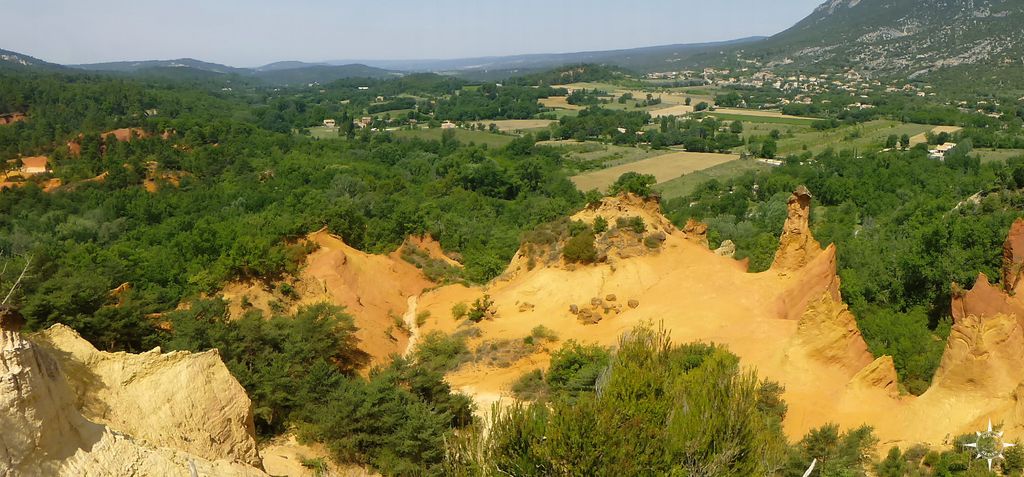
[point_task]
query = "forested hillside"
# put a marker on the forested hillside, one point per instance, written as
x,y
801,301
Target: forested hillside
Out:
x,y
245,193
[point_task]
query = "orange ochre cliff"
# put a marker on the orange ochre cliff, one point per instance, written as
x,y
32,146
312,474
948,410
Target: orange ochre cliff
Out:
x,y
789,322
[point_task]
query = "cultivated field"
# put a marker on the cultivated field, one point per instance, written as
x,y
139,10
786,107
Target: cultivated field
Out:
x,y
509,125
687,184
923,138
664,168
677,110
763,113
462,135
558,102
322,132
867,136
591,155
998,155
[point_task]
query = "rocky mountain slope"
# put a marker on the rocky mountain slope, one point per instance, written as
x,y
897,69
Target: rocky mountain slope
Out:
x,y
125,415
904,37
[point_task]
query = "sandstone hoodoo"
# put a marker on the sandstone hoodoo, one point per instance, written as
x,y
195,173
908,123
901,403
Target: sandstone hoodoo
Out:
x,y
797,247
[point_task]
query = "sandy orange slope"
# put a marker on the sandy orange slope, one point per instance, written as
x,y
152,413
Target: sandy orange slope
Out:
x,y
374,289
789,323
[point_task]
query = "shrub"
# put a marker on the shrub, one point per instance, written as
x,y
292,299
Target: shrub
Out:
x,y
837,453
633,182
634,224
318,466
600,225
530,386
436,269
288,290
658,410
460,310
481,306
421,317
652,242
575,367
593,197
440,352
580,249
543,333
502,353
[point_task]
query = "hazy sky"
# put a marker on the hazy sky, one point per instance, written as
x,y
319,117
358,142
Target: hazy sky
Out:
x,y
256,32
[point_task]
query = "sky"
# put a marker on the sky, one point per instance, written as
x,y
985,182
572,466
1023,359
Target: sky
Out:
x,y
248,33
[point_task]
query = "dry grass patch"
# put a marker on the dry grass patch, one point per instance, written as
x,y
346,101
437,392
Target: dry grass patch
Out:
x,y
664,168
510,125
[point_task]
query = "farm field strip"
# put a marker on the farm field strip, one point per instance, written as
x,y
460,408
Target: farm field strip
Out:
x,y
664,168
687,184
509,125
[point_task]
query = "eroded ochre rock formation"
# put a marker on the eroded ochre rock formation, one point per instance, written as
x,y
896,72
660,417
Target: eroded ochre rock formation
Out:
x,y
180,400
797,246
790,323
374,289
45,434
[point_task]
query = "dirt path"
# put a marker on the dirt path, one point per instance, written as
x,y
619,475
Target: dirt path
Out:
x,y
410,322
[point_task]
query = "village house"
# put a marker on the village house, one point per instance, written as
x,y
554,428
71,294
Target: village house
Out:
x,y
939,153
447,125
329,123
364,122
35,165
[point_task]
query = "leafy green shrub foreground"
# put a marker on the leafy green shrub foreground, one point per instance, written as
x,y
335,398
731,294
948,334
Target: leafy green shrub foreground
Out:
x,y
656,409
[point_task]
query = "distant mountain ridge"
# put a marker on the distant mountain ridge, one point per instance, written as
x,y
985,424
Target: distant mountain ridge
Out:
x,y
133,66
11,60
651,58
904,38
283,73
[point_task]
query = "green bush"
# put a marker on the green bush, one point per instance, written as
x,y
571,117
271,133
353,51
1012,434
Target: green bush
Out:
x,y
633,224
481,306
635,183
441,353
575,367
300,371
600,225
530,386
658,410
460,310
543,333
580,249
